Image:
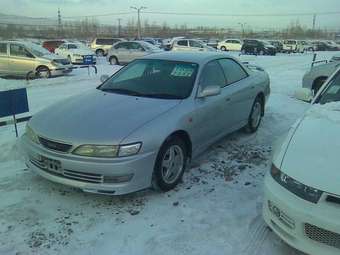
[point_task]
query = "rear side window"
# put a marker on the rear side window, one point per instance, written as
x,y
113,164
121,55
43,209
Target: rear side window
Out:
x,y
195,44
105,41
232,70
212,75
182,43
122,46
3,48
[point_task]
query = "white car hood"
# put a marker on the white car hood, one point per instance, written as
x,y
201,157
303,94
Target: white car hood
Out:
x,y
313,154
52,56
81,51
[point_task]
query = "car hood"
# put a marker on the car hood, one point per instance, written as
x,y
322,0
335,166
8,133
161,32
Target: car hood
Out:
x,y
97,117
51,56
312,156
81,51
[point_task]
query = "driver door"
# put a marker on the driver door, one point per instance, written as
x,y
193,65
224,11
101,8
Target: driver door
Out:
x,y
21,61
136,51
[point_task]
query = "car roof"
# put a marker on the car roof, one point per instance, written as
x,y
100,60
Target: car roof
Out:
x,y
192,57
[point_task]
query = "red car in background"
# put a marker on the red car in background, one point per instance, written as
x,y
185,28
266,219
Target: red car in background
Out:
x,y
51,45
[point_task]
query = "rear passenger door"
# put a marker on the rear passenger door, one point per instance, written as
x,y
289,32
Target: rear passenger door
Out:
x,y
195,46
122,52
182,45
3,59
238,92
136,51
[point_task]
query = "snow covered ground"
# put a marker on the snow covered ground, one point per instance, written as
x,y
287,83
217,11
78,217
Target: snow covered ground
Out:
x,y
216,210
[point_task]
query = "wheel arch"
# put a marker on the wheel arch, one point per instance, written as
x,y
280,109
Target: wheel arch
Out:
x,y
261,96
183,135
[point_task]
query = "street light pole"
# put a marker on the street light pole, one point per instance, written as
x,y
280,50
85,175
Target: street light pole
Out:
x,y
119,26
242,26
139,32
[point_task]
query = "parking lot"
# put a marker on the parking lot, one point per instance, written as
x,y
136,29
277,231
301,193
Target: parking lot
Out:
x,y
216,210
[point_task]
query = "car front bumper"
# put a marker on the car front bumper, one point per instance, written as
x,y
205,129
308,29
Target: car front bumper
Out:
x,y
311,228
61,70
105,176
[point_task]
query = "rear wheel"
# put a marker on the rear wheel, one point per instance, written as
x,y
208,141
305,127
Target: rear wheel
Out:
x,y
255,116
223,48
170,164
99,53
261,52
43,72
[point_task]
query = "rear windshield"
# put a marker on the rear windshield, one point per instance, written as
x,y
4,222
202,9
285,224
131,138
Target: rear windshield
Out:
x,y
105,41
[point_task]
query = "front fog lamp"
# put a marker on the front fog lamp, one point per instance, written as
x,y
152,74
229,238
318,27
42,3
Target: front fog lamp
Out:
x,y
299,189
129,149
31,135
102,151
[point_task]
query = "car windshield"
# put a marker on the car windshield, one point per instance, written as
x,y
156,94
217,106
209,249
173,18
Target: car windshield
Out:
x,y
154,78
37,50
332,93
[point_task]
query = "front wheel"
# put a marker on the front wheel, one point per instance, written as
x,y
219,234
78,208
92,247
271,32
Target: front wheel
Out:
x,y
43,72
255,116
113,61
223,48
170,164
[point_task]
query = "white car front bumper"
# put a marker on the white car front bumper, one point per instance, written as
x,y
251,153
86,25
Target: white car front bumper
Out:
x,y
311,228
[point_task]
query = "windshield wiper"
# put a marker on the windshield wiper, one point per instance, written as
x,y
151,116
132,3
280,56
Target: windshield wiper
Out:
x,y
161,95
122,91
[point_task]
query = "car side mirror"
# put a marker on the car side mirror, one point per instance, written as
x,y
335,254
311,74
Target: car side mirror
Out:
x,y
104,77
304,94
209,91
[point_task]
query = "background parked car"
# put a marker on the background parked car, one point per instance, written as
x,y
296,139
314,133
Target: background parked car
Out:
x,y
51,45
101,45
75,52
190,45
290,46
19,58
257,47
125,52
323,46
213,43
303,46
318,74
230,44
277,44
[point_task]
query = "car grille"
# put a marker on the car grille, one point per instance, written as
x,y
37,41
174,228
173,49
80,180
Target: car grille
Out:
x,y
70,174
56,146
62,61
322,236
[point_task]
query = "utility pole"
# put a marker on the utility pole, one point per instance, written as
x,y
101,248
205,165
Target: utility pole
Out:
x,y
242,26
59,22
139,29
119,19
314,21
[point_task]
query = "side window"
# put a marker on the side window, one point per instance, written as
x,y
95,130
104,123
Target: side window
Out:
x,y
232,70
121,46
19,51
182,43
3,48
195,44
212,75
135,46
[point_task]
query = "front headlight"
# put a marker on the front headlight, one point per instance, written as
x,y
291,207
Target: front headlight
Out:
x,y
77,55
107,151
101,151
31,135
299,189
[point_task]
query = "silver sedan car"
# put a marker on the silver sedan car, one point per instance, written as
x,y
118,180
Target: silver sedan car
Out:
x,y
141,127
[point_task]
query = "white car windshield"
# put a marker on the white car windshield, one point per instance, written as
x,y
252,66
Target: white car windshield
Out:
x,y
37,50
154,78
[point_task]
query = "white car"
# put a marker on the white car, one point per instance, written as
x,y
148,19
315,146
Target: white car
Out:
x,y
230,44
75,52
190,45
302,189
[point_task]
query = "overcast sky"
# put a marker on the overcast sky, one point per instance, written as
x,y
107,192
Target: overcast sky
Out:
x,y
48,8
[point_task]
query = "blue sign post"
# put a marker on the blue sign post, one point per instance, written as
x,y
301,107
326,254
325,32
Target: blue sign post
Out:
x,y
13,102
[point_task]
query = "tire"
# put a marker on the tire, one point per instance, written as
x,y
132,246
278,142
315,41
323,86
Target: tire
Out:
x,y
317,84
255,116
69,58
113,60
243,52
43,72
164,178
223,48
261,53
99,53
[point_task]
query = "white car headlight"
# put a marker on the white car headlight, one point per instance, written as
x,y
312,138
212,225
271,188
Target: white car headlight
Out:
x,y
101,151
129,149
77,55
31,135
